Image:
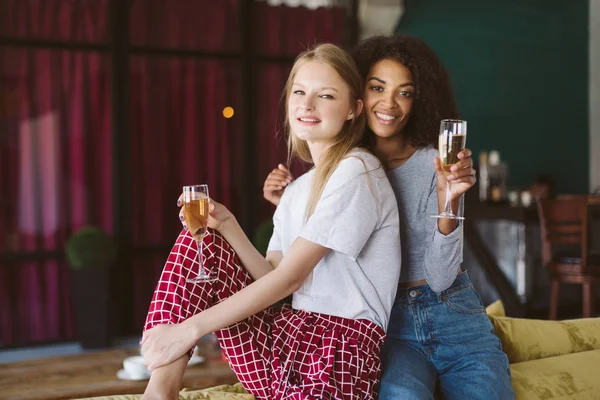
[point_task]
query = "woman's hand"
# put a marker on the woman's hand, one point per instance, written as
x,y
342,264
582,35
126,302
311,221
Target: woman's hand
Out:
x,y
164,344
218,214
275,184
462,175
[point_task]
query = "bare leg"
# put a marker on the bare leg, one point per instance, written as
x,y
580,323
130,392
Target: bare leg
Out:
x,y
165,381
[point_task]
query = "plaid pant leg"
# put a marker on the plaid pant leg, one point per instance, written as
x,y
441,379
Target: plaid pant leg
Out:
x,y
175,299
245,344
326,357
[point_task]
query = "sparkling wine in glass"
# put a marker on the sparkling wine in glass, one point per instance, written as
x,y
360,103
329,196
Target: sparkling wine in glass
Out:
x,y
452,140
196,202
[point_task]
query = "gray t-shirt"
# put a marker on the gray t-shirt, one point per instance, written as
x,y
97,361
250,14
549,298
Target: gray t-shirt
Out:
x,y
357,218
426,253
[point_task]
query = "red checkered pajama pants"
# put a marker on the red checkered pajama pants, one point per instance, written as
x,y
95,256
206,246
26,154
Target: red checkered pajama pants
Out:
x,y
276,353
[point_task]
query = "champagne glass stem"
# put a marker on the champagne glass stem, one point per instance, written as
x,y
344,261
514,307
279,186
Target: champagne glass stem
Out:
x,y
448,202
201,272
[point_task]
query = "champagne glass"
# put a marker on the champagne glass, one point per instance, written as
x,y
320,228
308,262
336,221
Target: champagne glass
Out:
x,y
195,211
452,139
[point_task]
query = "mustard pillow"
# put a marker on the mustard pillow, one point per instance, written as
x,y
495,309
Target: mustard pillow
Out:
x,y
530,339
223,392
572,376
496,309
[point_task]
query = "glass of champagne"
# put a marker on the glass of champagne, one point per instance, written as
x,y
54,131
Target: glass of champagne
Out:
x,y
195,211
452,139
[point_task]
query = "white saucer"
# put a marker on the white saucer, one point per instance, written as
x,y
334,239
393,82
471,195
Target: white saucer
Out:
x,y
195,359
122,374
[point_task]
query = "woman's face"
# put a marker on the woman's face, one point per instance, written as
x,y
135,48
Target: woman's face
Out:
x,y
319,103
389,96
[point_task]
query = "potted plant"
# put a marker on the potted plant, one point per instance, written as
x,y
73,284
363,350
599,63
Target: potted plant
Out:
x,y
91,253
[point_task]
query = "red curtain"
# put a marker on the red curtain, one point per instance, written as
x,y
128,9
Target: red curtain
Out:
x,y
55,158
186,24
57,153
70,20
286,31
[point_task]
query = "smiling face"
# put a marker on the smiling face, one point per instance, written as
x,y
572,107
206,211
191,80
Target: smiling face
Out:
x,y
319,103
389,96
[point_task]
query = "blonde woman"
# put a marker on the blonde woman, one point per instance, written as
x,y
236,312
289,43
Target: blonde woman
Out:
x,y
334,247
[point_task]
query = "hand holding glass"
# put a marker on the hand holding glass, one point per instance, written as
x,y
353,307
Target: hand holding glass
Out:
x,y
196,203
452,140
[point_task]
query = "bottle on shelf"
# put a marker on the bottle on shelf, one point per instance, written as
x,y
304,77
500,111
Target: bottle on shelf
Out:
x,y
493,177
484,182
497,172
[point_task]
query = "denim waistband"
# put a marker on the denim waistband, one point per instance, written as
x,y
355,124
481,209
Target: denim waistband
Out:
x,y
422,293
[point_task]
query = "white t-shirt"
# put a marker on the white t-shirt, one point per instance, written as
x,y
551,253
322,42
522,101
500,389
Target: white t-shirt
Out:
x,y
357,218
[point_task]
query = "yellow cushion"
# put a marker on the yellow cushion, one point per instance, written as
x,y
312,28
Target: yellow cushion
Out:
x,y
572,376
496,309
530,339
223,392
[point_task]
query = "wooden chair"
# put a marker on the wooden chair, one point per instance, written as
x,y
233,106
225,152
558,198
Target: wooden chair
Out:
x,y
564,231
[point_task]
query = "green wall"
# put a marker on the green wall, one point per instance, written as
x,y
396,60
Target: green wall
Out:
x,y
520,72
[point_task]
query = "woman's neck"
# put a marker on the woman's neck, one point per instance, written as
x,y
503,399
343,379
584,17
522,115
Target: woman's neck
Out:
x,y
393,151
317,149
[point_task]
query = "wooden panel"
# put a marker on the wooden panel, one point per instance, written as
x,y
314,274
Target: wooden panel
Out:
x,y
94,374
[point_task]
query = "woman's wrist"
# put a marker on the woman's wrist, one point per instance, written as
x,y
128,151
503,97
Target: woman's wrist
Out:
x,y
192,326
229,226
447,226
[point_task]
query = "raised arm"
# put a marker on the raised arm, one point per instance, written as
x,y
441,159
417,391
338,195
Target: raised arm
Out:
x,y
254,262
445,251
299,261
443,255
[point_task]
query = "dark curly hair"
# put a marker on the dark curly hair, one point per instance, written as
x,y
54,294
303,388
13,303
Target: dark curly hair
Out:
x,y
434,98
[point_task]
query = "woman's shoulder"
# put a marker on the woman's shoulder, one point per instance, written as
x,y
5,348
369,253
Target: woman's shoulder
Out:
x,y
419,168
427,154
359,161
302,181
421,162
355,165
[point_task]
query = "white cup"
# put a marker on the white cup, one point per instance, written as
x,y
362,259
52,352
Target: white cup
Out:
x,y
135,368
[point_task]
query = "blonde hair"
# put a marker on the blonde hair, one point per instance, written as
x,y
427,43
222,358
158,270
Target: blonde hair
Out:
x,y
352,132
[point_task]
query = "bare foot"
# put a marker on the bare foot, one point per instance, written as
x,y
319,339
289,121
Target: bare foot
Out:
x,y
165,381
154,393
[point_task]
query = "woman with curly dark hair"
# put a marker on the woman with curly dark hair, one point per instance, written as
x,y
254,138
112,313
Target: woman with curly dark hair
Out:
x,y
438,328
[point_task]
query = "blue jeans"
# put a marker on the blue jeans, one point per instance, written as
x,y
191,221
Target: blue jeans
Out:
x,y
445,336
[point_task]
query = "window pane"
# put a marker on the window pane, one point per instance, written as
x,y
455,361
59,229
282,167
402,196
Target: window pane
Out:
x,y
67,20
56,153
186,24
